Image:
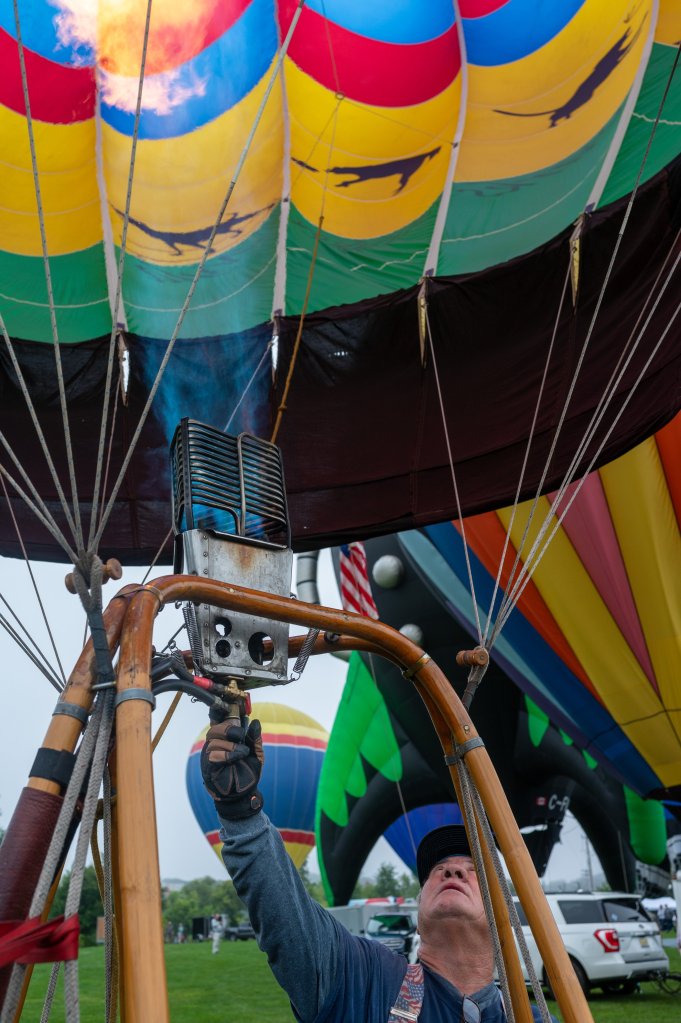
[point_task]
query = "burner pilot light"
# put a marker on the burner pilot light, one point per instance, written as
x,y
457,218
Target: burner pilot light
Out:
x,y
231,524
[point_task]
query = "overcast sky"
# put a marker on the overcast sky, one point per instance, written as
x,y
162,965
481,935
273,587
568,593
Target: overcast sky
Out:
x,y
28,701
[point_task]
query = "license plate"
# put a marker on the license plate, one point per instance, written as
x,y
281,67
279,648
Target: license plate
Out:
x,y
644,942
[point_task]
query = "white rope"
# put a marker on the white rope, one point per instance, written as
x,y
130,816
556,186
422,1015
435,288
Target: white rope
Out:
x,y
445,429
36,588
78,532
248,386
516,500
433,255
119,282
526,575
197,274
48,522
38,429
511,598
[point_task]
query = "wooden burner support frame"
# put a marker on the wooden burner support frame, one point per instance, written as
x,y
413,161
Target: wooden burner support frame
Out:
x,y
129,621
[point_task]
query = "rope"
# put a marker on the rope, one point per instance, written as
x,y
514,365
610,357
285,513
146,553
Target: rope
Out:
x,y
478,823
525,575
166,720
57,843
268,348
197,275
308,287
109,449
509,601
400,794
77,531
77,871
46,520
516,500
476,850
119,281
455,485
299,334
508,899
158,554
110,930
45,668
35,588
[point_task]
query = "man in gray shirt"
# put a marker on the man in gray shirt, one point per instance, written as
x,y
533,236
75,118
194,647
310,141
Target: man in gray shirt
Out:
x,y
330,975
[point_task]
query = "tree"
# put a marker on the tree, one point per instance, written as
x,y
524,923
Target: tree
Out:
x,y
313,888
90,904
387,883
202,897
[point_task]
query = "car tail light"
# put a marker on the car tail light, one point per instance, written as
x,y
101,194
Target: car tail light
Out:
x,y
608,938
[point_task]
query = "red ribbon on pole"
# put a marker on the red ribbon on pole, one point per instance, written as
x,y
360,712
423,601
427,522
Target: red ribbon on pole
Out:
x,y
36,941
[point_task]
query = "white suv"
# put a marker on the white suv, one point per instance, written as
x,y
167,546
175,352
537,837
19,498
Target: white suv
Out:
x,y
611,940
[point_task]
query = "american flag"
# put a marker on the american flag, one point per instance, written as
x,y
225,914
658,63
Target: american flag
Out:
x,y
355,588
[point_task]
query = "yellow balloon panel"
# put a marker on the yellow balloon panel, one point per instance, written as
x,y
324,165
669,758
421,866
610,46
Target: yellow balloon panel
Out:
x,y
65,156
572,598
648,535
535,112
186,200
374,169
668,29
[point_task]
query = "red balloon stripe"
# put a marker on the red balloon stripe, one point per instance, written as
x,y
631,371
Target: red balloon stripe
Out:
x,y
57,94
367,70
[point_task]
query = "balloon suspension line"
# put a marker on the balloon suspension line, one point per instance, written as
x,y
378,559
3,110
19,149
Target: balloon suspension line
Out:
x,y
74,523
480,831
299,334
537,552
197,275
400,794
50,673
97,492
423,297
38,506
512,596
310,276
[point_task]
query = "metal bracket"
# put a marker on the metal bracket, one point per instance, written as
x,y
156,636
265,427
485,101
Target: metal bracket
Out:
x,y
416,666
72,710
135,694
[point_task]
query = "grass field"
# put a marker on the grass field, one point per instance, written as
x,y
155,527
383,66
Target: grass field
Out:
x,y
236,984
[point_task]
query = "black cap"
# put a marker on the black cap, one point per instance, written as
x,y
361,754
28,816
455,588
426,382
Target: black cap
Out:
x,y
451,840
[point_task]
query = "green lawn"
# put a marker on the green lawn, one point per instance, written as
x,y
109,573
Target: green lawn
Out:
x,y
236,984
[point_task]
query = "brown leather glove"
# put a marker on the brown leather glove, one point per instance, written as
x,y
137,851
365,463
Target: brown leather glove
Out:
x,y
231,764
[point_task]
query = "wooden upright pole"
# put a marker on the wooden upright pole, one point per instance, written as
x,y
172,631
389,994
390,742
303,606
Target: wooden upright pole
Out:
x,y
142,962
452,722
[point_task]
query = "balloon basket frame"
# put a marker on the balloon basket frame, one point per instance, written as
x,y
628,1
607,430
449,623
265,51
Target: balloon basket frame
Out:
x,y
129,620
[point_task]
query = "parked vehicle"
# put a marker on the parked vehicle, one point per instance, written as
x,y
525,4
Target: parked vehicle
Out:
x,y
393,929
239,932
612,941
391,923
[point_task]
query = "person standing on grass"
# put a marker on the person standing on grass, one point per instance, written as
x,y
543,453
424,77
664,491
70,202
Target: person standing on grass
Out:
x,y
330,975
216,931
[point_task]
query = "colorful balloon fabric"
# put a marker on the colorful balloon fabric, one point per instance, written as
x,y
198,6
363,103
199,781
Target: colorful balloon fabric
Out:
x,y
294,746
402,142
596,638
383,759
404,835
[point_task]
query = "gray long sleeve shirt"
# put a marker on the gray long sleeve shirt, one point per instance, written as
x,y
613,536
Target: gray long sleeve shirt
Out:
x,y
329,975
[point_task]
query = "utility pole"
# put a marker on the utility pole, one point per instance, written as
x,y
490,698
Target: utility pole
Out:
x,y
589,866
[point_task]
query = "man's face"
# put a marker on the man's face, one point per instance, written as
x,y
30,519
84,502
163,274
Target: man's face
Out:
x,y
451,891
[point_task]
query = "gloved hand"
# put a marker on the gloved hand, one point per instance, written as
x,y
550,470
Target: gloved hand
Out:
x,y
231,764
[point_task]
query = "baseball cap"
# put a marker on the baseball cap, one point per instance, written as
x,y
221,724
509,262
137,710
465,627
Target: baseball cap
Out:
x,y
450,840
